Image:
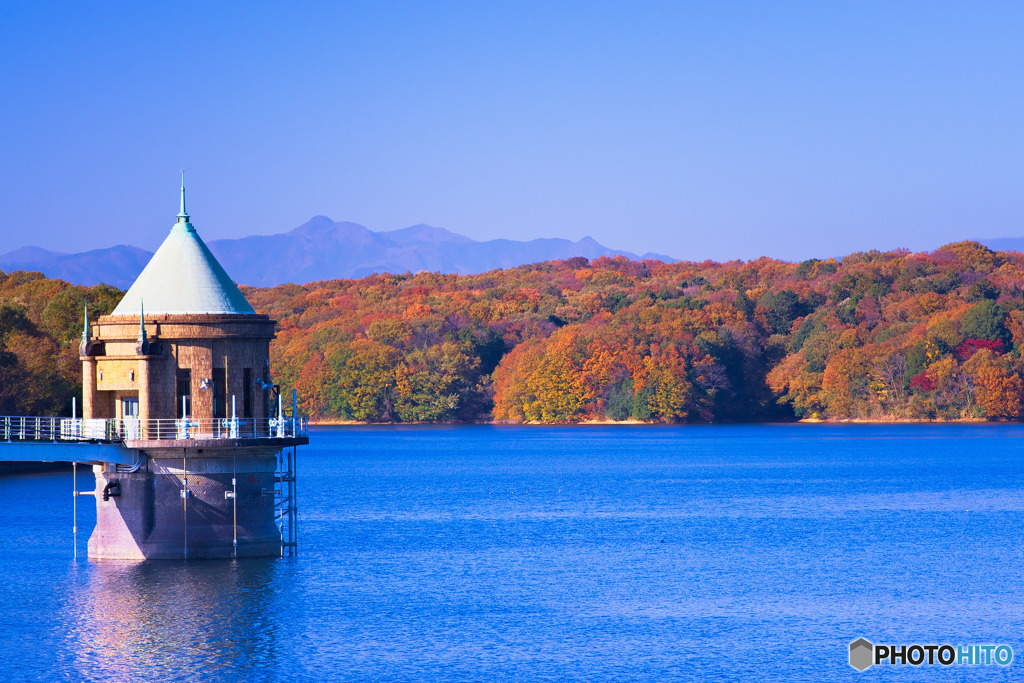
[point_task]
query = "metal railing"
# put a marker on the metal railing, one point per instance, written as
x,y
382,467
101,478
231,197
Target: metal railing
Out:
x,y
31,429
129,429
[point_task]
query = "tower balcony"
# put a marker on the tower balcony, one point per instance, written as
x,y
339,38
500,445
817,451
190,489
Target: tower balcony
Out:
x,y
135,433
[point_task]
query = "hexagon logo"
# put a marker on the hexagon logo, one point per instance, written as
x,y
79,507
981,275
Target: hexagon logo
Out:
x,y
862,654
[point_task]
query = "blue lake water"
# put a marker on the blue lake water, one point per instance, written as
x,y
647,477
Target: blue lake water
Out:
x,y
537,553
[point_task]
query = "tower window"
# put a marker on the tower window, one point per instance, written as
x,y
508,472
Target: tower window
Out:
x,y
247,381
183,393
220,387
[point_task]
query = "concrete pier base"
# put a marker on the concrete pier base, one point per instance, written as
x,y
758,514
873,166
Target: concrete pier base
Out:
x,y
174,506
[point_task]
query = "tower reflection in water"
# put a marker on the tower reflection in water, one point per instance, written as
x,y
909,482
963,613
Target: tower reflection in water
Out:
x,y
144,621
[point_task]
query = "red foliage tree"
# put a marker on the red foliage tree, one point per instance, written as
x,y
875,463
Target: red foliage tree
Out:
x,y
971,346
922,382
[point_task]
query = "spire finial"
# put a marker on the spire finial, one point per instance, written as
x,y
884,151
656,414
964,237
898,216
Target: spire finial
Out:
x,y
183,214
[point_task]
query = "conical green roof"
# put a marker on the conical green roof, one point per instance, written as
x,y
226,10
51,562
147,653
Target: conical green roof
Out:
x,y
183,277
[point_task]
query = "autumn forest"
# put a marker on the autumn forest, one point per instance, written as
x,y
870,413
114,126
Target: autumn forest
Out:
x,y
873,336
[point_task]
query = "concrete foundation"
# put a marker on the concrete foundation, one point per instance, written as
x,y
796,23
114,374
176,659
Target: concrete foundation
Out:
x,y
174,506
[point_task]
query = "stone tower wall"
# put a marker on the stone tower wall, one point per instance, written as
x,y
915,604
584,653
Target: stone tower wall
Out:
x,y
198,343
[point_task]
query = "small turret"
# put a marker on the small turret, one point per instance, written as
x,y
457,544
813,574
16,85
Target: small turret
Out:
x,y
142,347
83,348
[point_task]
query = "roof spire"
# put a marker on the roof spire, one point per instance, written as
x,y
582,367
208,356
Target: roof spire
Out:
x,y
183,277
183,215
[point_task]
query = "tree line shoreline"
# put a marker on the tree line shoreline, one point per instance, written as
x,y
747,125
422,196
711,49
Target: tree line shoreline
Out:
x,y
876,337
655,423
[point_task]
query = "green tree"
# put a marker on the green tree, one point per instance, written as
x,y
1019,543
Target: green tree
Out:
x,y
984,320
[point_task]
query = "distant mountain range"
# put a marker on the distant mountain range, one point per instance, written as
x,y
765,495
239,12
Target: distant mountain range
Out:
x,y
117,266
319,250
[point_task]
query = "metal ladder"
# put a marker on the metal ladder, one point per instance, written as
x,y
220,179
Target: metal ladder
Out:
x,y
284,501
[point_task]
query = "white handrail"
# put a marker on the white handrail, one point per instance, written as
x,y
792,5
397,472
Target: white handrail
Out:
x,y
37,428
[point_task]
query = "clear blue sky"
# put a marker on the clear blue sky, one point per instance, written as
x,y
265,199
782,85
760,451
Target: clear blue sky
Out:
x,y
701,130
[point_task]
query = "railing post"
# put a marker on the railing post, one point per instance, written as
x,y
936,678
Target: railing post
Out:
x,y
74,493
280,416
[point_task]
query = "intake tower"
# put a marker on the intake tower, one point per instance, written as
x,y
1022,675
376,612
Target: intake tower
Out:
x,y
179,374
